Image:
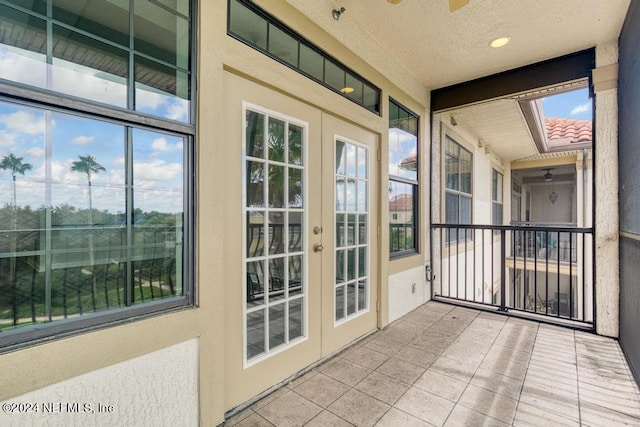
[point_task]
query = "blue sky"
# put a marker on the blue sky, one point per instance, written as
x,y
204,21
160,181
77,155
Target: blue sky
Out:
x,y
569,105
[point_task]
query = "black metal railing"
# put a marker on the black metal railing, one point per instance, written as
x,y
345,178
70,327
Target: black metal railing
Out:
x,y
544,270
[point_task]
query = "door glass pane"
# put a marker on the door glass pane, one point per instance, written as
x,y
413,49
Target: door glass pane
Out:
x,y
277,278
340,230
296,324
276,325
351,298
255,283
276,186
255,190
276,233
296,228
340,301
255,234
255,134
351,230
362,294
295,275
295,145
255,333
295,188
276,140
362,229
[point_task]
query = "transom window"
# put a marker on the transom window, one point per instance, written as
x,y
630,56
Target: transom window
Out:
x,y
274,211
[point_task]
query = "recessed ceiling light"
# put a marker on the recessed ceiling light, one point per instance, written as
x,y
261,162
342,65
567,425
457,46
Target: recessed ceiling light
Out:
x,y
500,42
347,89
394,1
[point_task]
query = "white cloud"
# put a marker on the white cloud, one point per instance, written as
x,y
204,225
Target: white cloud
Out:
x,y
83,140
160,144
156,170
24,122
36,152
582,108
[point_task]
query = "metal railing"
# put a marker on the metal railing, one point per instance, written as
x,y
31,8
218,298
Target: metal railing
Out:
x,y
542,270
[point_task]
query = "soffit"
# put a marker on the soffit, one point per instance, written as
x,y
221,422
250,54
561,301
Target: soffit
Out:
x,y
500,127
420,42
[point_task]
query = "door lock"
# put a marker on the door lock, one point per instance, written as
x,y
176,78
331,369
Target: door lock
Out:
x,y
318,247
317,230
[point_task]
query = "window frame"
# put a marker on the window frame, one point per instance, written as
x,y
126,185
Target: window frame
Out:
x,y
49,100
499,192
457,192
415,185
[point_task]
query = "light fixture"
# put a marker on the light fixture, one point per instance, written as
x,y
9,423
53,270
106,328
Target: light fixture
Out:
x,y
500,42
336,13
394,1
347,89
547,176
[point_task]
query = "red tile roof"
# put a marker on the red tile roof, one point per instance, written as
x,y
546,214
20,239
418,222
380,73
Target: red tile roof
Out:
x,y
401,202
575,131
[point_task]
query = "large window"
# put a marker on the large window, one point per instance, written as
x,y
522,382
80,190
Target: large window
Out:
x,y
95,163
263,32
403,180
458,168
496,197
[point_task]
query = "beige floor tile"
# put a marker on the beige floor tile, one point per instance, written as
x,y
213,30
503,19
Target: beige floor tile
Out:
x,y
564,406
416,356
454,368
382,387
239,417
358,408
532,416
596,415
346,372
395,418
269,398
432,343
425,406
290,409
254,420
464,353
384,345
463,416
401,370
321,389
366,357
327,419
441,385
507,368
489,403
499,384
402,332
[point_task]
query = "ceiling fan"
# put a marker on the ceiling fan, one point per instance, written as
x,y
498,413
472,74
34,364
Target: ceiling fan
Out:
x,y
453,4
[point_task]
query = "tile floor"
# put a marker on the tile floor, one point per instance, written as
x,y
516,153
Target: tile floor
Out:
x,y
442,365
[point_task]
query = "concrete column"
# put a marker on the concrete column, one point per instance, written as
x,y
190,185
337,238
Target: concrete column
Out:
x,y
607,260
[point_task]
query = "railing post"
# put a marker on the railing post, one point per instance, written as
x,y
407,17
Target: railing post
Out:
x,y
503,267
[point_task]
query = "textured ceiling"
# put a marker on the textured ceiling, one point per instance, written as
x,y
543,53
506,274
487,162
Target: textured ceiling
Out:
x,y
420,45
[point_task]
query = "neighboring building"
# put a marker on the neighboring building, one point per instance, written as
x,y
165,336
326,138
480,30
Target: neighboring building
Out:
x,y
201,200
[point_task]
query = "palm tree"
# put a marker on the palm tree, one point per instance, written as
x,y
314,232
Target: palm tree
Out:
x,y
87,164
15,165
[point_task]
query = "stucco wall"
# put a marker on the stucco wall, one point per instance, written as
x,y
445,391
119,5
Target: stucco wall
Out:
x,y
407,290
159,389
629,156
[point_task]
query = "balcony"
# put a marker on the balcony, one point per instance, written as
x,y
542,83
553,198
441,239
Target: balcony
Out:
x,y
453,366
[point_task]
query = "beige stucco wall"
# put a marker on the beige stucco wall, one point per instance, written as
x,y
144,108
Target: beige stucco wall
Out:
x,y
159,388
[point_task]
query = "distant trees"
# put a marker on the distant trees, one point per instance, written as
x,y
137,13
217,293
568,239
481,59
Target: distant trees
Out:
x,y
15,165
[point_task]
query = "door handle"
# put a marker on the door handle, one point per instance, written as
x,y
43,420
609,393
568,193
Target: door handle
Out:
x,y
318,247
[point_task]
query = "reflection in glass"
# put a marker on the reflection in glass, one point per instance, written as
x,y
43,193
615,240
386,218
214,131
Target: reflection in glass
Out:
x,y
352,272
247,24
351,298
255,134
28,60
351,229
100,77
67,220
362,162
276,325
340,158
283,46
161,90
255,234
295,145
255,283
255,192
401,216
295,275
255,333
362,196
340,230
276,233
340,302
333,75
340,274
362,261
277,278
353,88
311,62
362,229
295,319
276,140
295,231
362,295
295,188
341,203
351,160
276,186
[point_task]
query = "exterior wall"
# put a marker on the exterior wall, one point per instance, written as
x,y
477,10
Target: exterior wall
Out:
x,y
629,155
160,388
70,365
562,211
407,290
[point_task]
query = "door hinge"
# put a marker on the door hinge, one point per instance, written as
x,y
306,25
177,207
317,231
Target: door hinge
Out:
x,y
378,154
378,231
378,305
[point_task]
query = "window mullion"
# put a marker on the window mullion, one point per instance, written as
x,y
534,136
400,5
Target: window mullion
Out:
x,y
128,292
